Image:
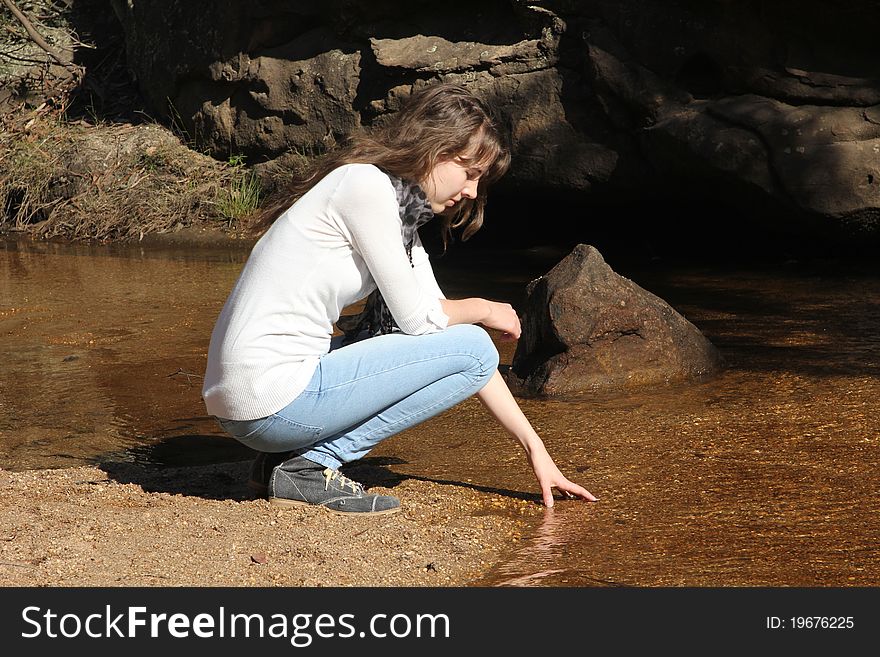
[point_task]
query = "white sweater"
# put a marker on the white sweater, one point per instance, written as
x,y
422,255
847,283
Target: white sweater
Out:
x,y
330,249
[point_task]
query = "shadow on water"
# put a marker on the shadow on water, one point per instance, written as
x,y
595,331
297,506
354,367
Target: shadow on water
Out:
x,y
185,449
798,319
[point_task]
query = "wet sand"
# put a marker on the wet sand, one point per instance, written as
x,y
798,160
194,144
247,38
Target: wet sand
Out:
x,y
127,525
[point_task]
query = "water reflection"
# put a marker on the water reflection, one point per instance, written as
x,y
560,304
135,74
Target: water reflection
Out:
x,y
547,557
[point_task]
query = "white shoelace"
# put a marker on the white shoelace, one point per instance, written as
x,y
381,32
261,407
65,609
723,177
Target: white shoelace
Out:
x,y
330,475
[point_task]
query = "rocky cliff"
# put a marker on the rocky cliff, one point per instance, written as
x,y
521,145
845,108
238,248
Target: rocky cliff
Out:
x,y
769,103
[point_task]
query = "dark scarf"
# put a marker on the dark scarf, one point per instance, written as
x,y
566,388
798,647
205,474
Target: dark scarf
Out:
x,y
375,319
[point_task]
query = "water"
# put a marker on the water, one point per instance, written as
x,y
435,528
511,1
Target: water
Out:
x,y
765,474
103,350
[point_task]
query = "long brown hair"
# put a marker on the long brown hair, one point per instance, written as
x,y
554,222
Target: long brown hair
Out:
x,y
438,123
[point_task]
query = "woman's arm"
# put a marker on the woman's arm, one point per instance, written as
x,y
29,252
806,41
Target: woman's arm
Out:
x,y
364,207
421,266
492,314
497,398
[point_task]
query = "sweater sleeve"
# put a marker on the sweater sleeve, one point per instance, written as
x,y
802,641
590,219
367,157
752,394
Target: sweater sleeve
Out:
x,y
423,270
367,207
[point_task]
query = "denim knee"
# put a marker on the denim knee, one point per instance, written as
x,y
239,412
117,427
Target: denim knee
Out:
x,y
480,345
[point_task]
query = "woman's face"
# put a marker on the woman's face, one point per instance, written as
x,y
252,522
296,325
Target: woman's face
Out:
x,y
450,181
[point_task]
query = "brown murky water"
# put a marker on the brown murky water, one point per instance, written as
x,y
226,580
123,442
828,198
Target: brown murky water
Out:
x,y
766,474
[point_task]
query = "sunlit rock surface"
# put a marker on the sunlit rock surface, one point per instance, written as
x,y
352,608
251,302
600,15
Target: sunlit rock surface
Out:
x,y
587,328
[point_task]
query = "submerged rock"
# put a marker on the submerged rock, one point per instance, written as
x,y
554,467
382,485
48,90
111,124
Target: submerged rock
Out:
x,y
585,327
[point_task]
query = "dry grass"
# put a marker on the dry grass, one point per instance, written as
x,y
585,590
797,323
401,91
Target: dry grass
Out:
x,y
96,179
113,181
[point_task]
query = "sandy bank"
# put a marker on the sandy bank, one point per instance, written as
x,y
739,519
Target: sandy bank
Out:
x,y
131,525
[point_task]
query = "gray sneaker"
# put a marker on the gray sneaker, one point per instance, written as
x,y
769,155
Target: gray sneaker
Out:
x,y
261,470
300,482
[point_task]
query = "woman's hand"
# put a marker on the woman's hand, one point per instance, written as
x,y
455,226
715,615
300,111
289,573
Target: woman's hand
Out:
x,y
501,404
503,317
491,314
549,477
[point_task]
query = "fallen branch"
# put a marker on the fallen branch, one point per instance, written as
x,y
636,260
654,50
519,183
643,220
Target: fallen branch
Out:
x,y
20,59
35,36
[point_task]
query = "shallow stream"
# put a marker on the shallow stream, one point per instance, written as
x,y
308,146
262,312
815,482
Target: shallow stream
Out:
x,y
766,474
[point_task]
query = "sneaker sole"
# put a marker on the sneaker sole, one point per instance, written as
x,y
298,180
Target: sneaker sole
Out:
x,y
281,501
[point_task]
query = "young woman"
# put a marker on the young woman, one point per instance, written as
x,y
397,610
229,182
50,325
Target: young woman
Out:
x,y
276,378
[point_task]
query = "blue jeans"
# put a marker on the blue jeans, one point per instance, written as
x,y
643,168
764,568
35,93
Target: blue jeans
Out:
x,y
365,392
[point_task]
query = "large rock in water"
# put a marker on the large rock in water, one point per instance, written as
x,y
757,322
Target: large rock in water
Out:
x,y
587,328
